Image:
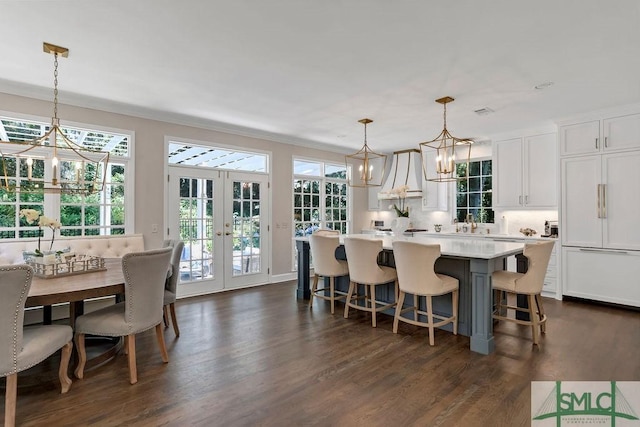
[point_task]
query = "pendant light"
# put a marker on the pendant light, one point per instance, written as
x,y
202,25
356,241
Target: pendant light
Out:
x,y
367,165
444,151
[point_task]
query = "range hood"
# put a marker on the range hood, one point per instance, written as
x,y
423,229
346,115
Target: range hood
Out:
x,y
406,169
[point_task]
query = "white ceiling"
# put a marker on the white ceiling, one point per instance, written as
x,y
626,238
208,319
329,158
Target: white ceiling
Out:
x,y
307,71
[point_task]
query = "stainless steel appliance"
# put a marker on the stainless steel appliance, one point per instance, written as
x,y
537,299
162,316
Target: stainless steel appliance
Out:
x,y
550,229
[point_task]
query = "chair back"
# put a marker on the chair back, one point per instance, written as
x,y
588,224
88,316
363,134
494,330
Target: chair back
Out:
x,y
415,265
362,257
538,255
171,284
15,282
325,232
144,278
323,251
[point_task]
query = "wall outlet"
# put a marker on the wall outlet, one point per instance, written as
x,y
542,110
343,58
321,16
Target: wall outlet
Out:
x,y
154,228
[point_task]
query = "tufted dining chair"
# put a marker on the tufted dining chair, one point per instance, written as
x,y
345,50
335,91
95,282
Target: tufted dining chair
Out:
x,y
415,264
323,246
529,284
144,279
171,284
24,347
362,257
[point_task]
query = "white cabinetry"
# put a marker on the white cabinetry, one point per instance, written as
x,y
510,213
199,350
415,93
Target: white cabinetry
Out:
x,y
596,136
435,195
525,172
600,162
601,201
601,274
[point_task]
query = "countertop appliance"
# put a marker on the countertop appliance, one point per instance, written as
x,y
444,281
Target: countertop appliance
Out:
x,y
550,228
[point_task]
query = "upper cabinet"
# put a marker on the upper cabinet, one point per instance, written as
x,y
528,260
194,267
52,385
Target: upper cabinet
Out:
x,y
435,195
607,135
525,172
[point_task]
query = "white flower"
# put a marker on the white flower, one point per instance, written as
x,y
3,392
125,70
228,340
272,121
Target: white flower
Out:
x,y
48,222
30,215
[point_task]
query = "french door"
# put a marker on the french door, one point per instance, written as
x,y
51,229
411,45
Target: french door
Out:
x,y
222,217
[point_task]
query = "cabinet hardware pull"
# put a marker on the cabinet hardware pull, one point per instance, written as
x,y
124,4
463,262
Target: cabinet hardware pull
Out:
x,y
520,200
597,144
604,200
605,142
604,250
505,240
526,200
598,208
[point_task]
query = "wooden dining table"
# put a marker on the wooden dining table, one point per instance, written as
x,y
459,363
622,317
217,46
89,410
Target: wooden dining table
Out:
x,y
75,289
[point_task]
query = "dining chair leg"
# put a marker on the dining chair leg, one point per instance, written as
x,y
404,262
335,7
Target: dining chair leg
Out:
x,y
396,317
314,287
454,300
373,306
133,370
65,381
416,302
430,319
533,317
161,344
174,319
165,316
82,356
348,301
543,324
10,399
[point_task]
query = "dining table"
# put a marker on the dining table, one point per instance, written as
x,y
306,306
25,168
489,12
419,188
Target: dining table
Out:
x,y
75,289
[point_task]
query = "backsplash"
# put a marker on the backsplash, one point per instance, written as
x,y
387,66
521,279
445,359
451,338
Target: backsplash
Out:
x,y
515,219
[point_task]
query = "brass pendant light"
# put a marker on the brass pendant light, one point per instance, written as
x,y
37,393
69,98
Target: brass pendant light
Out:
x,y
444,151
367,165
75,169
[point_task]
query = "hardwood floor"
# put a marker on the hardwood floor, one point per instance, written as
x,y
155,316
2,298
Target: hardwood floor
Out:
x,y
259,357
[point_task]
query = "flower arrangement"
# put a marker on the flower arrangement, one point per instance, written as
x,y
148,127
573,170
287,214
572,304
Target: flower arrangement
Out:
x,y
31,216
400,207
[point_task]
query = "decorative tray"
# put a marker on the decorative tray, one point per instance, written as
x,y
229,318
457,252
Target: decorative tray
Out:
x,y
75,265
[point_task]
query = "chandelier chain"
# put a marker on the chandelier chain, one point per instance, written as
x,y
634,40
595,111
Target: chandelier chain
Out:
x,y
55,86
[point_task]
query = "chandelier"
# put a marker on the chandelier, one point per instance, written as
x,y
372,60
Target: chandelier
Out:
x,y
368,166
444,152
75,169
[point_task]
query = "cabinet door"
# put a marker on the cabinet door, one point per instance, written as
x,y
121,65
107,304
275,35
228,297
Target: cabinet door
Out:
x,y
373,202
581,138
621,133
507,177
540,171
581,222
621,179
434,194
602,275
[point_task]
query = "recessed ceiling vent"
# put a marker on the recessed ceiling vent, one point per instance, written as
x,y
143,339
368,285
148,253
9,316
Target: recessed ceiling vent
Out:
x,y
483,111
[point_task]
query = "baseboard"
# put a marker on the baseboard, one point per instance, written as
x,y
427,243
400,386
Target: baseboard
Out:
x,y
287,277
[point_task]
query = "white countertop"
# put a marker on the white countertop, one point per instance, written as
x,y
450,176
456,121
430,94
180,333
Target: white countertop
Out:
x,y
450,246
467,235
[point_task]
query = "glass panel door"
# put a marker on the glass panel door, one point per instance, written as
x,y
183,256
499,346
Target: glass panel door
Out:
x,y
222,219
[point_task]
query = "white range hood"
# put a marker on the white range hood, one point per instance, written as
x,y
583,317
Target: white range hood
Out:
x,y
406,169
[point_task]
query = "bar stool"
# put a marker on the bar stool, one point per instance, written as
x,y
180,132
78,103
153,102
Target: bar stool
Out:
x,y
362,256
323,244
416,275
529,284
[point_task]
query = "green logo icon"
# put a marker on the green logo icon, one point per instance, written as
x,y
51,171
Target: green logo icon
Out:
x,y
604,403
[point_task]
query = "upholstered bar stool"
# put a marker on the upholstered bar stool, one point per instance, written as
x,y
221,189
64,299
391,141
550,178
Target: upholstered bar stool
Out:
x,y
416,275
323,244
529,284
362,257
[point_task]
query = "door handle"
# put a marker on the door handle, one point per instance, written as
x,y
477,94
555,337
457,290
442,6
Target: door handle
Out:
x,y
219,233
227,233
606,251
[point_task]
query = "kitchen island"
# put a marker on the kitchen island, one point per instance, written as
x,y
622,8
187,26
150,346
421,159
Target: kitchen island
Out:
x,y
470,261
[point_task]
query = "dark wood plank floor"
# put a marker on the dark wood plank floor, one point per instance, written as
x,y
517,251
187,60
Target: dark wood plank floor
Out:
x,y
259,357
